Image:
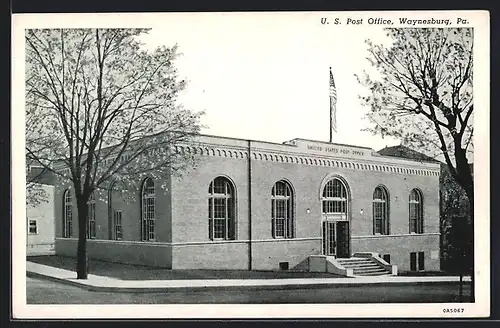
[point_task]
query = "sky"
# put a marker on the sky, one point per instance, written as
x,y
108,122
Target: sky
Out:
x,y
266,77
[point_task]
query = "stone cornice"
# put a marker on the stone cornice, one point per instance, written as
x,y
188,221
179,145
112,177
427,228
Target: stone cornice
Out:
x,y
363,164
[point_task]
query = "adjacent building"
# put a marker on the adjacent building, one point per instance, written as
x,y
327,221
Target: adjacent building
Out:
x,y
40,213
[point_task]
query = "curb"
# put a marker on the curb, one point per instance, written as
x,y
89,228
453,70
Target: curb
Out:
x,y
94,288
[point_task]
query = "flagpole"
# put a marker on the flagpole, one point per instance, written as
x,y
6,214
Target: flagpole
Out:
x,y
331,126
333,106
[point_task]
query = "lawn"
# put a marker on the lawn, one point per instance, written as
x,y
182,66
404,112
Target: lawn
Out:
x,y
138,272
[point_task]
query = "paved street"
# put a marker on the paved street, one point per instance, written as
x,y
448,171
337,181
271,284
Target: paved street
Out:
x,y
41,291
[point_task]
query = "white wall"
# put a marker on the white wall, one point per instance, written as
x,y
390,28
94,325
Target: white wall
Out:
x,y
42,242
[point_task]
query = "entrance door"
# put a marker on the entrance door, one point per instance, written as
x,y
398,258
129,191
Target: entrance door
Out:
x,y
336,239
329,241
342,239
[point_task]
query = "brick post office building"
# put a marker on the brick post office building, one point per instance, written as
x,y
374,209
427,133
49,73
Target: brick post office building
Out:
x,y
252,205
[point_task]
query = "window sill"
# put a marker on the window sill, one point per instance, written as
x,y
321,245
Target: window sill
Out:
x,y
218,240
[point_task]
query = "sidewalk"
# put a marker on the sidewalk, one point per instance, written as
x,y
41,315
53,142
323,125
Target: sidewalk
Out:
x,y
107,284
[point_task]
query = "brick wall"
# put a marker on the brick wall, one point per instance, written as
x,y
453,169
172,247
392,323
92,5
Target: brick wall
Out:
x,y
268,254
182,215
399,248
190,198
140,253
190,218
214,255
129,203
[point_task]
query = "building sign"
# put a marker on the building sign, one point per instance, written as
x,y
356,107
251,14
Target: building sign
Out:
x,y
337,150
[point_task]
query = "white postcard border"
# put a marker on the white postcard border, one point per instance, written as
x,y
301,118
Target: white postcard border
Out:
x,y
477,19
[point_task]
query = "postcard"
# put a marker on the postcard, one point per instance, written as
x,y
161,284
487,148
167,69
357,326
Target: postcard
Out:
x,y
251,165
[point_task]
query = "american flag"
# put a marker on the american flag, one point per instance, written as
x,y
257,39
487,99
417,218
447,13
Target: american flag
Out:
x,y
333,105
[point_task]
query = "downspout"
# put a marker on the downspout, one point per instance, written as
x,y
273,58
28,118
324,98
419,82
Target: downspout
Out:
x,y
249,206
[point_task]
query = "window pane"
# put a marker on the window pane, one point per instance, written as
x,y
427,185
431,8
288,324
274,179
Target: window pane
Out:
x,y
280,189
118,225
377,210
280,208
67,215
230,208
335,196
289,225
280,227
219,228
378,225
32,226
144,230
219,186
219,208
421,261
148,210
149,187
231,230
413,261
210,229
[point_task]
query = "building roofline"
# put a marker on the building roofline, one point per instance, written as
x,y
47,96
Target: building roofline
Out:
x,y
284,143
239,139
333,143
427,159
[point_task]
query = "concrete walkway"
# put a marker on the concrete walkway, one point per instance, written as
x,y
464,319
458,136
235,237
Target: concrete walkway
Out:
x,y
107,284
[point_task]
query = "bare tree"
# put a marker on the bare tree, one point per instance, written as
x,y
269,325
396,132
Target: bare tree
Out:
x,y
423,95
101,107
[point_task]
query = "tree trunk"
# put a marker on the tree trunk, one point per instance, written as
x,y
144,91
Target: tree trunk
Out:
x,y
465,179
470,244
81,254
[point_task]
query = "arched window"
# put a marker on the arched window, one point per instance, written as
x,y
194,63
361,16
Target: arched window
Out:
x,y
67,215
91,217
416,212
148,210
334,200
380,211
110,209
115,226
221,209
282,210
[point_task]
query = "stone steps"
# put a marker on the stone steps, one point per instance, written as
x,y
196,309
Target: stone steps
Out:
x,y
363,267
359,265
